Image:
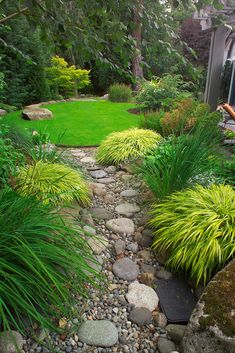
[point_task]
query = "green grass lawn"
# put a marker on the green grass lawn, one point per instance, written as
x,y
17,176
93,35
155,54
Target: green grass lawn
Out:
x,y
80,123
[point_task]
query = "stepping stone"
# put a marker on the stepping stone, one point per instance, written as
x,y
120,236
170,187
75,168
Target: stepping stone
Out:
x,y
142,296
129,193
165,346
106,180
97,174
127,209
126,269
141,316
121,225
176,299
88,160
98,244
100,213
100,333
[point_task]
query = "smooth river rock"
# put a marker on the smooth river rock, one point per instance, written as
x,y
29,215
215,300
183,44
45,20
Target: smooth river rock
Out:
x,y
166,346
100,333
141,316
100,213
127,209
97,174
129,193
126,269
11,342
121,225
142,296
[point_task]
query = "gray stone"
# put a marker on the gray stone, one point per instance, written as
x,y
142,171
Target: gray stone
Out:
x,y
97,244
145,254
37,114
111,169
148,269
88,160
121,225
98,189
129,193
132,247
164,274
176,332
106,180
100,213
11,342
146,238
87,219
97,174
127,209
166,346
126,269
3,112
141,316
100,333
89,230
96,264
141,295
119,246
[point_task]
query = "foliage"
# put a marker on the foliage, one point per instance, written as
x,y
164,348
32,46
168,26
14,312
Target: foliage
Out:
x,y
8,108
226,171
120,93
64,79
52,183
45,259
10,158
197,228
159,92
127,145
179,162
152,121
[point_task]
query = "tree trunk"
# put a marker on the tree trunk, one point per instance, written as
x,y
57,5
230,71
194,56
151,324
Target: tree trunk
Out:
x,y
137,69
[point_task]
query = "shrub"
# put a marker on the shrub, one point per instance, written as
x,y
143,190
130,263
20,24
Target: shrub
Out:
x,y
197,228
43,267
126,145
161,92
120,93
52,183
226,171
152,121
64,79
178,162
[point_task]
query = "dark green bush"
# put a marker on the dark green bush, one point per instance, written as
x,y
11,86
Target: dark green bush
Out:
x,y
120,93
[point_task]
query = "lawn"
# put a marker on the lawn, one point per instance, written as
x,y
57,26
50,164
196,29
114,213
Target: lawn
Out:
x,y
80,123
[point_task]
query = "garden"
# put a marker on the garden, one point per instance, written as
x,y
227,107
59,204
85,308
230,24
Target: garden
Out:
x,y
117,200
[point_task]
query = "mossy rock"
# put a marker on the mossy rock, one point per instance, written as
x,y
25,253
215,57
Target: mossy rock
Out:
x,y
212,324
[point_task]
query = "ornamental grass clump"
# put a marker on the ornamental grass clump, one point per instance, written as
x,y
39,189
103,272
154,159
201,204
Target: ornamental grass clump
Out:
x,y
126,146
197,227
52,183
44,265
120,93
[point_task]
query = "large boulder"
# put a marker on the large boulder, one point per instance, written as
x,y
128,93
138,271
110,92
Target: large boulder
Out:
x,y
212,325
3,112
36,113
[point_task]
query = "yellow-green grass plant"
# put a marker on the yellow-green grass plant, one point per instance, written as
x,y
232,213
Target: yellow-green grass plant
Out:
x,y
120,92
45,265
197,228
52,183
127,145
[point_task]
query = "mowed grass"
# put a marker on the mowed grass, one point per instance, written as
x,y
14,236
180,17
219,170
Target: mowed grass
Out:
x,y
80,123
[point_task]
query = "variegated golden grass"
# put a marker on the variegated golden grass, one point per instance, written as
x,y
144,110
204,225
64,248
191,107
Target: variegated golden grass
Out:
x,y
126,145
197,227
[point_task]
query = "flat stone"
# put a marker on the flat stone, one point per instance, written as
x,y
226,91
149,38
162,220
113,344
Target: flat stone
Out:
x,y
11,342
141,295
140,316
127,209
176,332
37,114
165,346
164,274
121,225
132,247
106,180
97,244
100,333
98,189
89,230
129,193
97,174
88,160
126,269
100,213
119,246
3,112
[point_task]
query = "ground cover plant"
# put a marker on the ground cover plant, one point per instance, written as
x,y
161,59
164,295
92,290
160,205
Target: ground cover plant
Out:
x,y
126,146
45,259
52,183
197,227
120,93
80,123
179,162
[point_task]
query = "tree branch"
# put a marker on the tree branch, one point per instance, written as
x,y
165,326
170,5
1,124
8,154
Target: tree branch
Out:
x,y
15,14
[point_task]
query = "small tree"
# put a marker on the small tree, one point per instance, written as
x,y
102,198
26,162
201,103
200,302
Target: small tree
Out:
x,y
65,80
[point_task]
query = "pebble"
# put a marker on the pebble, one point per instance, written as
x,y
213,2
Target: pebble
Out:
x,y
141,316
